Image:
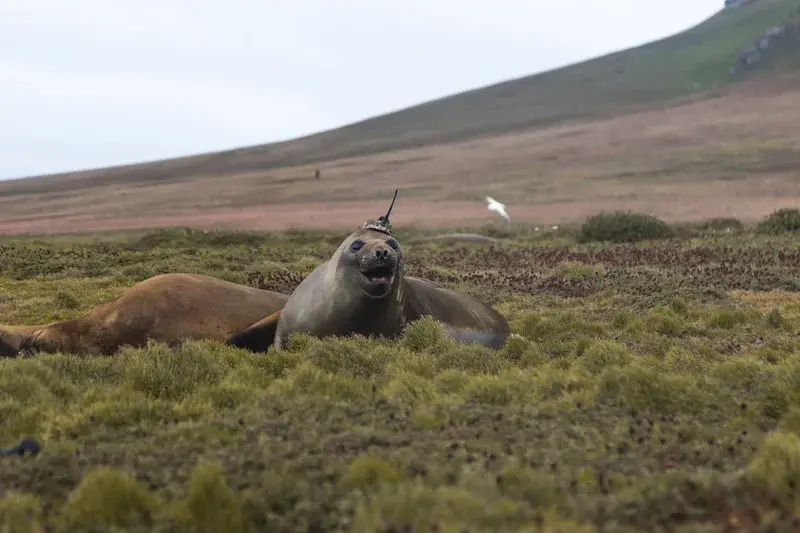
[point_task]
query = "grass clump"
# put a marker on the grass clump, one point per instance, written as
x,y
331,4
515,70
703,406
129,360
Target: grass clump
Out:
x,y
108,498
665,321
20,513
160,372
602,355
775,318
727,318
426,334
211,505
785,220
645,389
521,352
623,227
572,269
777,465
719,224
412,506
683,361
355,358
369,472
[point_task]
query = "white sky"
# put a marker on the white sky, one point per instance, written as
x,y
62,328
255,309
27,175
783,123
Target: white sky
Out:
x,y
91,83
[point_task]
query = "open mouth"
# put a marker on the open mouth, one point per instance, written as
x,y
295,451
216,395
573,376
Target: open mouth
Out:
x,y
380,274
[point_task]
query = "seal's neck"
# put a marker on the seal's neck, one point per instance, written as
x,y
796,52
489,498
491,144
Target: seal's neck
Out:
x,y
367,315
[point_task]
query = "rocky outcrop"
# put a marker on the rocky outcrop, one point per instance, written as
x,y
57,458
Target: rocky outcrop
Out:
x,y
784,37
737,3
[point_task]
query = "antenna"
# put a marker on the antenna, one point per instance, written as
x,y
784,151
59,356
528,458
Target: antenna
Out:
x,y
382,224
385,218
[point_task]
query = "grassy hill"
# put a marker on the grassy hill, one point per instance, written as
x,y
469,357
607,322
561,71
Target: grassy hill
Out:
x,y
698,59
695,60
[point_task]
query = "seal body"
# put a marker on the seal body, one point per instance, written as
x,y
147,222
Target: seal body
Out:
x,y
362,290
167,308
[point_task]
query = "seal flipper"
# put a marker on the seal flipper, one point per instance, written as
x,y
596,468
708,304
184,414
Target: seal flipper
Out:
x,y
258,337
462,317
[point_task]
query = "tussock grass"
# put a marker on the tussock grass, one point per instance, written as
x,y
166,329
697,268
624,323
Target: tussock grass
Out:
x,y
786,220
643,381
623,226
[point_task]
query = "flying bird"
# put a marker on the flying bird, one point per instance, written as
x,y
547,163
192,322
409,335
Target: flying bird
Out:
x,y
497,207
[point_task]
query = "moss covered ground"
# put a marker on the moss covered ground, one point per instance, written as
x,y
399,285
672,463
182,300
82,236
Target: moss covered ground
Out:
x,y
653,387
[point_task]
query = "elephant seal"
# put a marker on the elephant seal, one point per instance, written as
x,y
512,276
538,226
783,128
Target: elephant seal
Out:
x,y
167,308
361,289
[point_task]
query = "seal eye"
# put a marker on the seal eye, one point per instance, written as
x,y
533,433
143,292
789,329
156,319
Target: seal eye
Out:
x,y
356,246
392,244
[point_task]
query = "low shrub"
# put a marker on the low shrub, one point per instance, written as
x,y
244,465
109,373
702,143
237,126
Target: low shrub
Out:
x,y
780,221
623,226
721,224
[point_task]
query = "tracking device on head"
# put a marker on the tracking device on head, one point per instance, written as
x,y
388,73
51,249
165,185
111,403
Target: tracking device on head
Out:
x,y
382,224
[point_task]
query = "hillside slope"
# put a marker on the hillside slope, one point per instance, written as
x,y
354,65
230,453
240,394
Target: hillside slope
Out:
x,y
696,60
692,61
736,154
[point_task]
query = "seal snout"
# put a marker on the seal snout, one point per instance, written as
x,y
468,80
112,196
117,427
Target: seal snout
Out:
x,y
378,267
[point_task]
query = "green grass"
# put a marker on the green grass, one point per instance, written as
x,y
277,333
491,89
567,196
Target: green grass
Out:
x,y
650,385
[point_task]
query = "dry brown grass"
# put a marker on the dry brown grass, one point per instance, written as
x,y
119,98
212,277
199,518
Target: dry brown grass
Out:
x,y
735,153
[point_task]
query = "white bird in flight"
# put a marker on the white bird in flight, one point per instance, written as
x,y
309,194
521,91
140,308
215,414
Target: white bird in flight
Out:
x,y
497,207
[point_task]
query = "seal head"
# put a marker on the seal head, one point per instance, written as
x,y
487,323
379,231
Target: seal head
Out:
x,y
375,255
373,259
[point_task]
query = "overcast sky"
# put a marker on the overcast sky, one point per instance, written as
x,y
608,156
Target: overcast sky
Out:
x,y
88,83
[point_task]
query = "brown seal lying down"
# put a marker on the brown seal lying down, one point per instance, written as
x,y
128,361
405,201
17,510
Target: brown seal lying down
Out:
x,y
167,308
